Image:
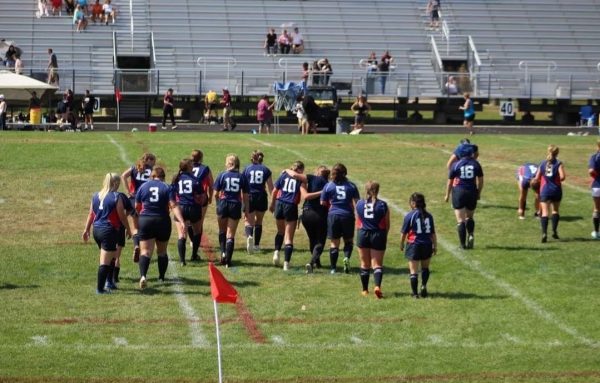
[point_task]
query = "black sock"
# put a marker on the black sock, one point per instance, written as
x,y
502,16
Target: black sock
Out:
x,y
144,264
378,276
348,249
163,264
470,223
462,233
424,276
136,240
257,234
544,222
181,249
195,245
190,231
414,283
278,241
555,219
116,274
316,253
111,271
229,245
222,239
248,230
102,273
333,256
364,278
596,220
288,250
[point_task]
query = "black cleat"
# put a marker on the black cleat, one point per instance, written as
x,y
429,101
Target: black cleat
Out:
x,y
544,238
555,235
424,293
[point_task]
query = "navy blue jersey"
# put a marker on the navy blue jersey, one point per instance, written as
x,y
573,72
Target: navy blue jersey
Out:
x,y
550,180
257,176
464,173
340,198
288,189
105,211
201,172
315,184
526,172
126,202
154,197
371,216
230,185
138,178
594,163
187,191
418,228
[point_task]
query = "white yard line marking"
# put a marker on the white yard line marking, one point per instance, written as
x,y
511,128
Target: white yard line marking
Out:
x,y
40,340
120,342
530,304
196,333
356,340
278,340
511,338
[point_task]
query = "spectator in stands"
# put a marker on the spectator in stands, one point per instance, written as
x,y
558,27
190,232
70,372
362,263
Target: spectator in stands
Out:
x,y
226,104
168,109
211,102
56,7
97,12
79,19
384,69
109,11
87,104
18,64
305,74
271,43
84,6
325,70
285,42
9,56
433,9
264,114
372,63
3,108
42,9
297,41
451,86
70,6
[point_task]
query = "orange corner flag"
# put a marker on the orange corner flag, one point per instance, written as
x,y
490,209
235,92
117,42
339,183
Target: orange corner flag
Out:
x,y
221,290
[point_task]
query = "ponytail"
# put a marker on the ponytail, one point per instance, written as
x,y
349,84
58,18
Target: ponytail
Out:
x,y
372,190
418,200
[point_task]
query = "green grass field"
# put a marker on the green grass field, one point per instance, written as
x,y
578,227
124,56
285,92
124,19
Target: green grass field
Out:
x,y
511,310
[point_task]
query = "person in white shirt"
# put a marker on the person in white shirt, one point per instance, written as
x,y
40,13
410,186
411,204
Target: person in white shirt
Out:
x,y
297,42
109,11
3,108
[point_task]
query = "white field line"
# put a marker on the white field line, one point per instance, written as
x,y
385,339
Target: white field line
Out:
x,y
529,303
356,340
120,342
196,333
278,340
40,340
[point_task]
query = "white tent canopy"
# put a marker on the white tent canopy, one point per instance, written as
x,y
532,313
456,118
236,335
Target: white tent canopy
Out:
x,y
17,87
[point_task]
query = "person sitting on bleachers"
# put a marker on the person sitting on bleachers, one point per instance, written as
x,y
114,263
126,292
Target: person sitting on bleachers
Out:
x,y
42,9
84,6
79,19
9,56
285,42
270,44
109,11
56,7
97,12
451,86
70,6
297,41
18,64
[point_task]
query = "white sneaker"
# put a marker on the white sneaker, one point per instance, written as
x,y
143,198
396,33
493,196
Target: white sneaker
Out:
x,y
286,266
595,235
276,257
256,249
143,283
163,127
250,244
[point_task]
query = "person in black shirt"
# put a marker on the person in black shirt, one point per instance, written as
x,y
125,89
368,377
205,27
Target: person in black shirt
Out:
x,y
168,109
88,110
271,43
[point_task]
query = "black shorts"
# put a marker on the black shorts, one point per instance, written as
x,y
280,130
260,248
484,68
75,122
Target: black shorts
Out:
x,y
372,239
154,227
463,198
340,227
418,252
229,209
551,197
192,213
286,211
435,15
106,238
258,202
133,212
470,118
121,237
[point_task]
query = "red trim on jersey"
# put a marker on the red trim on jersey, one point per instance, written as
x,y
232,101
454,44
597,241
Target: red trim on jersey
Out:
x,y
411,236
114,219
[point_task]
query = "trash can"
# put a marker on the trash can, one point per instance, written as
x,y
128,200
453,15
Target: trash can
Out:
x,y
341,126
35,116
152,128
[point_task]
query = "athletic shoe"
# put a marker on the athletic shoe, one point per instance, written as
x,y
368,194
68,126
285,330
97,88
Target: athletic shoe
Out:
x,y
163,127
111,286
424,293
346,265
286,266
256,248
555,235
143,283
182,264
136,254
378,292
364,293
195,258
174,127
224,129
250,244
276,257
101,292
544,238
521,217
309,268
332,271
318,264
161,280
223,259
595,235
415,296
470,241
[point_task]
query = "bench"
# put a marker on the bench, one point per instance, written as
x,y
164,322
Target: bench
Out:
x,y
28,126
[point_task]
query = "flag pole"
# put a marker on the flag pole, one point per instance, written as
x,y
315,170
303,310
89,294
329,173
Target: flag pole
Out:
x,y
119,115
218,341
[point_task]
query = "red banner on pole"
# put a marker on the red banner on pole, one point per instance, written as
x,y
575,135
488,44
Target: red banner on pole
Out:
x,y
118,95
222,291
